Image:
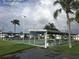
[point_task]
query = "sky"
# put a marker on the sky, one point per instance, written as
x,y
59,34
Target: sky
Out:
x,y
32,14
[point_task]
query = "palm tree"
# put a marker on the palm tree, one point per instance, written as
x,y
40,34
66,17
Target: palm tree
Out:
x,y
67,6
77,16
15,22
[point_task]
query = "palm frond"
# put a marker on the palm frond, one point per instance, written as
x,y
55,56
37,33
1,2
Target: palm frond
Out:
x,y
70,11
75,5
56,13
56,2
77,16
15,21
11,21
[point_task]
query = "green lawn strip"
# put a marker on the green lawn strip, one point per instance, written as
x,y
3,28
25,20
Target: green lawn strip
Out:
x,y
65,48
9,47
5,43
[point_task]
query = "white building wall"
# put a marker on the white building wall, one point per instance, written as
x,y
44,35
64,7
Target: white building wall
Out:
x,y
76,37
58,36
2,35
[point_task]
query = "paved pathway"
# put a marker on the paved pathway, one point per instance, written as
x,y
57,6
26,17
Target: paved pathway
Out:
x,y
40,53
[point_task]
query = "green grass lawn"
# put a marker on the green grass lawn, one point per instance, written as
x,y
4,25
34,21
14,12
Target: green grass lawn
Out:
x,y
65,48
10,47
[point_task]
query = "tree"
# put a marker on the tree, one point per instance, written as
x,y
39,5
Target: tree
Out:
x,y
50,27
67,6
77,16
15,22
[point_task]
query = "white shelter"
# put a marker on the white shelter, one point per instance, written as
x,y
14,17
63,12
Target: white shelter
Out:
x,y
39,31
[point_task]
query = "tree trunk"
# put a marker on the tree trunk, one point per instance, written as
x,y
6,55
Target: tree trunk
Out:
x,y
69,30
14,28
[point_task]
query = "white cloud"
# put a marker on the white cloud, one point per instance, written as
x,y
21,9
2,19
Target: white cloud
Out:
x,y
40,13
46,2
43,13
37,14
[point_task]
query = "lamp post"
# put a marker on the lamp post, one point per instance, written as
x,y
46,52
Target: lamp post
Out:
x,y
23,29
